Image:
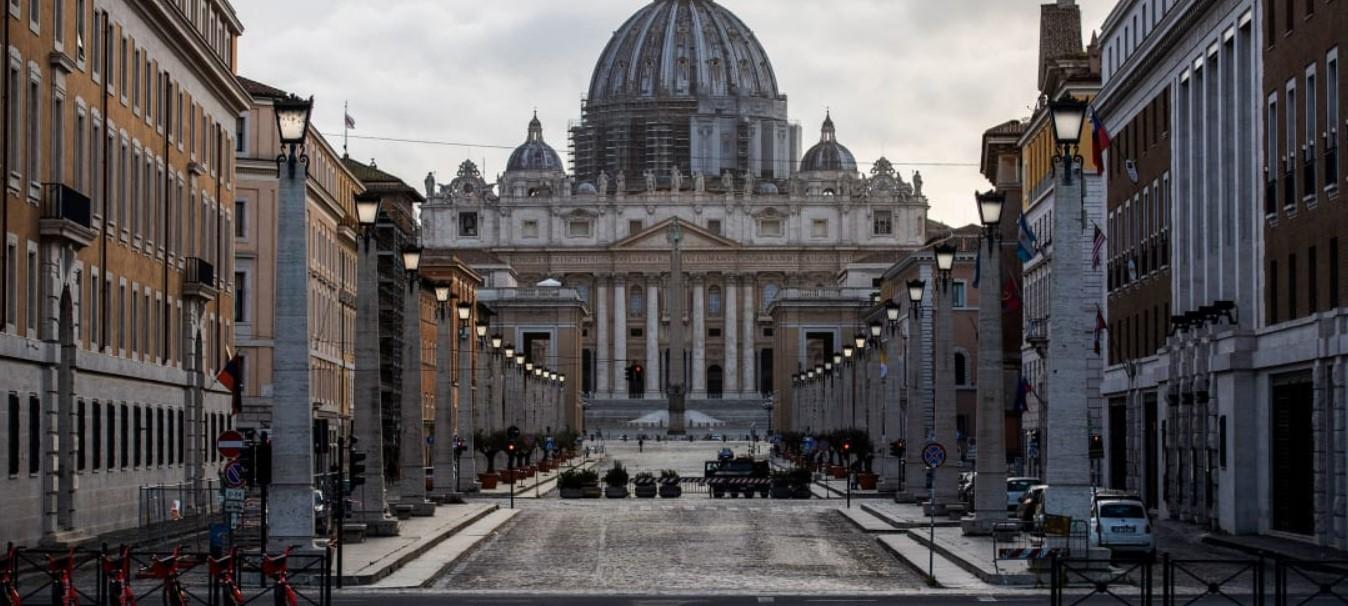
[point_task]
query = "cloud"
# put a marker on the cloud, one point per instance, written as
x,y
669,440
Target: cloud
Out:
x,y
915,80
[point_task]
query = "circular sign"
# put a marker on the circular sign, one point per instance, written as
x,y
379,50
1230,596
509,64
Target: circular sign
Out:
x,y
232,474
230,444
933,455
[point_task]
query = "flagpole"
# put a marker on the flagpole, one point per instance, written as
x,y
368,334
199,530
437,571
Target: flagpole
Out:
x,y
346,111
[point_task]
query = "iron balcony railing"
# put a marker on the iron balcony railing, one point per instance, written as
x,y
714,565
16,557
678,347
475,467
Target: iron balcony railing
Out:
x,y
61,201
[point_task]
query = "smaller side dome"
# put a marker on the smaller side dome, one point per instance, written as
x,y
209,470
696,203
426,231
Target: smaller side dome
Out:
x,y
828,154
534,154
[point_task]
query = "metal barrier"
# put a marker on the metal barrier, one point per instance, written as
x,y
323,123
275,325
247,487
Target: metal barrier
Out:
x,y
169,510
183,578
1217,578
1183,581
1100,578
1328,579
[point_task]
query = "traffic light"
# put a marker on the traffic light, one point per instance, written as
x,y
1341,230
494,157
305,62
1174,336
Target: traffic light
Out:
x,y
898,448
262,458
355,465
1097,446
847,448
248,459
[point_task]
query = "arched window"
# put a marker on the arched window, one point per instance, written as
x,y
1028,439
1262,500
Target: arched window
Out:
x,y
961,369
714,300
770,292
635,303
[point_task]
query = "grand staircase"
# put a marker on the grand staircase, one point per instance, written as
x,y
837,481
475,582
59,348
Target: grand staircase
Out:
x,y
727,416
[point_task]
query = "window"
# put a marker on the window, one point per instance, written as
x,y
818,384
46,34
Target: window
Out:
x,y
883,223
80,25
95,308
635,302
1332,119
96,37
34,434
1308,149
240,296
58,132
11,283
714,226
121,68
957,294
771,228
97,433
530,229
579,228
1272,166
182,438
135,80
80,454
12,434
32,311
468,225
137,437
961,368
240,132
819,228
121,318
58,21
769,295
15,106
79,166
240,218
34,136
634,227
111,428
1290,158
714,300
159,436
34,14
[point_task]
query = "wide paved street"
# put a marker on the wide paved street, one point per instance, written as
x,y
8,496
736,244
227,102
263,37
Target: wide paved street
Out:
x,y
690,545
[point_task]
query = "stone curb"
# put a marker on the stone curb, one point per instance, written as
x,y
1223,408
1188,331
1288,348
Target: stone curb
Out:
x,y
988,577
416,551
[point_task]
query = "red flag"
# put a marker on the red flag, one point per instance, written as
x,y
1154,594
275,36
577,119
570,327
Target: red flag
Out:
x,y
1010,296
1100,142
231,376
1099,327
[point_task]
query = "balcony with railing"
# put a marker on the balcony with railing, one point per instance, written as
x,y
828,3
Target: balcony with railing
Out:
x,y
66,215
199,279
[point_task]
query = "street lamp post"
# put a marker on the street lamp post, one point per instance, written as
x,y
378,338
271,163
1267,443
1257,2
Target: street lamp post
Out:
x,y
1067,437
291,510
990,490
914,425
443,449
369,499
412,446
945,478
464,418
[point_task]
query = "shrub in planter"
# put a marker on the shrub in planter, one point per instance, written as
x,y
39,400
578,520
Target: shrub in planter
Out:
x,y
616,480
644,485
574,482
669,484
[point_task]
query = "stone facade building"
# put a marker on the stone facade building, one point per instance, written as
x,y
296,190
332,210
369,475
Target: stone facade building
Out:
x,y
118,126
756,222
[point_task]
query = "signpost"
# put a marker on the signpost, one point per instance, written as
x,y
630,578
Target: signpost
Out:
x,y
933,454
232,474
230,444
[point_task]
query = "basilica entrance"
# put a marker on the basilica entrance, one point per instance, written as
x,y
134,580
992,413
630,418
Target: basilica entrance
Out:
x,y
715,382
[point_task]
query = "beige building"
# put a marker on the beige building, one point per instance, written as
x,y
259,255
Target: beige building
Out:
x,y
331,191
119,194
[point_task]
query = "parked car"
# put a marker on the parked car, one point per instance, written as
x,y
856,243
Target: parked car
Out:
x,y
1031,502
1121,524
1015,489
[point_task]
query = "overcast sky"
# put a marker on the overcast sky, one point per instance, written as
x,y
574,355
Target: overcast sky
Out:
x,y
917,81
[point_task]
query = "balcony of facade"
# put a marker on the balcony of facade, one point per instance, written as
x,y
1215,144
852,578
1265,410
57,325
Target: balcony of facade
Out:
x,y
66,215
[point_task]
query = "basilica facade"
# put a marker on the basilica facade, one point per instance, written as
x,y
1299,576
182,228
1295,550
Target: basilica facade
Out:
x,y
684,124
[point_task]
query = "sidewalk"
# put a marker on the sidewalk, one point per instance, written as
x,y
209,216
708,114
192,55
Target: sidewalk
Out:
x,y
1275,547
905,515
379,557
423,570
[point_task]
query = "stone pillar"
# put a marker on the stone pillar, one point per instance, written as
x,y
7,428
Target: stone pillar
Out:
x,y
411,451
730,371
467,480
947,475
890,411
990,424
749,387
602,389
652,338
699,371
915,414
1067,464
370,507
620,362
442,451
290,518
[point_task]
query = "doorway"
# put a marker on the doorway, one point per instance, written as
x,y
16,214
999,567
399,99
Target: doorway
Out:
x,y
715,380
1150,464
1118,443
1293,451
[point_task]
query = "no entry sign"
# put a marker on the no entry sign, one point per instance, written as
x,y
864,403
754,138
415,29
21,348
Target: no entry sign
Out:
x,y
230,444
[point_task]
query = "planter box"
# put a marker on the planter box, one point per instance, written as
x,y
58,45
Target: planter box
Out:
x,y
488,480
616,492
591,492
838,471
670,491
646,491
573,493
781,492
867,481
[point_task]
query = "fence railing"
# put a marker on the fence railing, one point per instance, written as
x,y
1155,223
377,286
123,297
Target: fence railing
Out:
x,y
1195,581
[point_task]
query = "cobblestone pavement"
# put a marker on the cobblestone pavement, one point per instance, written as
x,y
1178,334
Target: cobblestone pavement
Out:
x,y
691,544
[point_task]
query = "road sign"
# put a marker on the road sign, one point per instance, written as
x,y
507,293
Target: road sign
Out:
x,y
933,454
234,494
232,474
230,444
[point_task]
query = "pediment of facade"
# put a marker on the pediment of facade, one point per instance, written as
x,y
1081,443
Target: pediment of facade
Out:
x,y
657,238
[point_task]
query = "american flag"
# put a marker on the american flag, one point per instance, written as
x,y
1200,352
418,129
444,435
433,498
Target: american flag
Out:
x,y
350,122
1097,248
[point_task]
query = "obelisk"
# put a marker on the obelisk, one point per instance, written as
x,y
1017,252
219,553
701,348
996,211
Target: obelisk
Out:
x,y
675,390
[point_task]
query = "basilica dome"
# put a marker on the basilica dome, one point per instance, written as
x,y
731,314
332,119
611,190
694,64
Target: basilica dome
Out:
x,y
682,48
828,154
534,154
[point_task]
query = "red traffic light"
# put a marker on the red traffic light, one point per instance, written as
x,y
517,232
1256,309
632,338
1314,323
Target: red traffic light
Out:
x,y
847,446
636,368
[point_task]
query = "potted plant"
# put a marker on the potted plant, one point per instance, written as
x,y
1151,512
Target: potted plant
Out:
x,y
489,444
800,479
669,484
644,485
616,481
591,489
572,482
781,485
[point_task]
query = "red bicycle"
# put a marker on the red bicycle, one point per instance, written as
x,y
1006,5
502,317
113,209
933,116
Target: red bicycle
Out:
x,y
222,570
118,573
62,572
9,591
277,567
169,569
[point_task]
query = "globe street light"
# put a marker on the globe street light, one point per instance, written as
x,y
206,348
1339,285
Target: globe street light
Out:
x,y
1069,116
292,123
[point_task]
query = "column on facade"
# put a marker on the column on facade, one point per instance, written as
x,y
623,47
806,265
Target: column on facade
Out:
x,y
411,453
652,337
619,335
947,476
730,372
601,384
750,388
699,371
442,450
